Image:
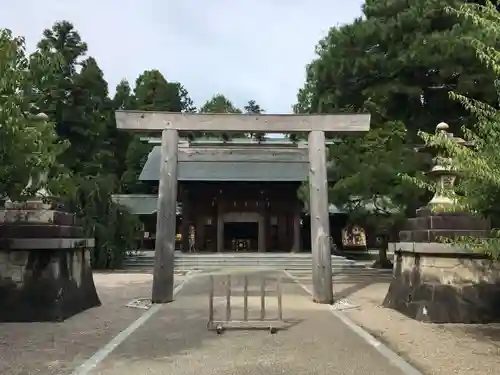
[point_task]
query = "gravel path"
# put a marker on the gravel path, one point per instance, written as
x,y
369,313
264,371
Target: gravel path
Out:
x,y
434,349
175,340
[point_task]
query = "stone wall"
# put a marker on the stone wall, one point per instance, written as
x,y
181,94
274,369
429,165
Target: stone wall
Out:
x,y
439,283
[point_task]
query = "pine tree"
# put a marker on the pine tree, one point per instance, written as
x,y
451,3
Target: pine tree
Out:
x,y
405,56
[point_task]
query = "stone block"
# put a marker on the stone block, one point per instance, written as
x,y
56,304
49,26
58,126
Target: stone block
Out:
x,y
52,286
45,270
45,243
434,235
37,217
445,288
19,230
447,221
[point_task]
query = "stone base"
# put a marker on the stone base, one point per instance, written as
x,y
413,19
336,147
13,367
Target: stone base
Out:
x,y
431,228
45,285
439,284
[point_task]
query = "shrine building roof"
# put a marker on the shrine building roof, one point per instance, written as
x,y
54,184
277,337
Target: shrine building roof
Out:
x,y
234,162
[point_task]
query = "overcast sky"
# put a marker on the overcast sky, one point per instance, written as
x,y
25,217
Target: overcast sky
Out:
x,y
244,49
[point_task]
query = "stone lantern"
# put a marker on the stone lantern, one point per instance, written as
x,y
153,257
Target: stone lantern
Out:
x,y
435,279
444,175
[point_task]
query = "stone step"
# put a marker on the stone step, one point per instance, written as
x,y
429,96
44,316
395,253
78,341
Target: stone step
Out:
x,y
358,271
249,260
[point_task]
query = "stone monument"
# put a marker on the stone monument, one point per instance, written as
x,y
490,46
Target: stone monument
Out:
x,y
45,270
436,282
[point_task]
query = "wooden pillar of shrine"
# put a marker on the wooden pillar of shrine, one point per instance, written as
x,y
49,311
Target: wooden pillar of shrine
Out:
x,y
297,240
220,228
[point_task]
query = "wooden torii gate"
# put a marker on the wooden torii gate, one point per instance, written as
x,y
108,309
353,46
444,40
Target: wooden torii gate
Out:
x,y
171,123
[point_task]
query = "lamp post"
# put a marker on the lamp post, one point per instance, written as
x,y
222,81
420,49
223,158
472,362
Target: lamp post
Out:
x,y
443,173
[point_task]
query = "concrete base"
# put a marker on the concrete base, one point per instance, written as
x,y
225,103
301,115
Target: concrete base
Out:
x,y
48,285
436,283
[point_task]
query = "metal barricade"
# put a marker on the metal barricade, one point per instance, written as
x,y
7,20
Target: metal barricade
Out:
x,y
262,323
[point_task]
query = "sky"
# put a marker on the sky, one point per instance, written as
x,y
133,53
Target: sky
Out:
x,y
244,49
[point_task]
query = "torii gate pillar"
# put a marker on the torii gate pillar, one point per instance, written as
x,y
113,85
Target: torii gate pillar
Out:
x,y
171,123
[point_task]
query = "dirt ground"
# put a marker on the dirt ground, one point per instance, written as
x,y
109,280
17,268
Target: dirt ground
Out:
x,y
434,349
57,348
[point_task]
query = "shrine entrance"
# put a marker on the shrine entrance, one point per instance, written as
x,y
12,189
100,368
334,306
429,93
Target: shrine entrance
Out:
x,y
242,231
170,124
241,236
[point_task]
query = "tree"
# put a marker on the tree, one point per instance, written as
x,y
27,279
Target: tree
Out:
x,y
220,104
88,120
368,179
187,104
406,57
399,62
152,93
76,99
29,145
253,107
119,140
478,167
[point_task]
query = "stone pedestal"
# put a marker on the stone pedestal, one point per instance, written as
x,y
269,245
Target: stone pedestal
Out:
x,y
45,270
438,283
428,227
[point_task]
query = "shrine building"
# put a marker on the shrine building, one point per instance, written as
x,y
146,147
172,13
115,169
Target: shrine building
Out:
x,y
240,195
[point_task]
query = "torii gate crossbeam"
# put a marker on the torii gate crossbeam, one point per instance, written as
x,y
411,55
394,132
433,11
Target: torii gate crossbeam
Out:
x,y
171,123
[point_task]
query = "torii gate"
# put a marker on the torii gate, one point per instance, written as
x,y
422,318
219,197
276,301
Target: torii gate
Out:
x,y
171,123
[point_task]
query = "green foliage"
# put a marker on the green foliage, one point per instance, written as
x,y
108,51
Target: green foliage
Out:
x,y
400,62
253,108
29,145
405,56
367,172
152,93
74,94
220,104
115,229
187,104
478,166
135,159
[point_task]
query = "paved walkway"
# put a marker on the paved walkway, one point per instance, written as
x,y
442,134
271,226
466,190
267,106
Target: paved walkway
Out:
x,y
174,340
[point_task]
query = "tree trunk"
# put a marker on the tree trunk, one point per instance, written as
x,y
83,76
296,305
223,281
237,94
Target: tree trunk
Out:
x,y
382,261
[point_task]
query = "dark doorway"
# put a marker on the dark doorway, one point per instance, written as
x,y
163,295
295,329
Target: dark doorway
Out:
x,y
241,236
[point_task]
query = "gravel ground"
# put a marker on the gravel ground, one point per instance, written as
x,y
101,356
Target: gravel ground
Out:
x,y
435,349
175,339
57,348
